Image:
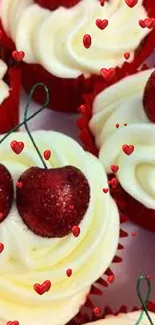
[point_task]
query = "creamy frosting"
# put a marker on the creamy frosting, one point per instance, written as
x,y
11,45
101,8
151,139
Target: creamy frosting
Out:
x,y
54,39
125,319
122,103
28,258
4,89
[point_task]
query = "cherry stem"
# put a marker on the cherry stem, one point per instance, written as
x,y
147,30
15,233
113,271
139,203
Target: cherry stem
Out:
x,y
27,119
142,300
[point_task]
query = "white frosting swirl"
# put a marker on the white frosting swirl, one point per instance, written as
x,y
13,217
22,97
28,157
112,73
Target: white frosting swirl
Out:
x,y
122,103
28,258
4,89
125,319
54,39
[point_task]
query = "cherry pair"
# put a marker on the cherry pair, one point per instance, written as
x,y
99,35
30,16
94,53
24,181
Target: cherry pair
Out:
x,y
50,201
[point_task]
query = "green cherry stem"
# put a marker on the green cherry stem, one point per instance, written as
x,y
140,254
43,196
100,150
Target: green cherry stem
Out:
x,y
27,119
143,301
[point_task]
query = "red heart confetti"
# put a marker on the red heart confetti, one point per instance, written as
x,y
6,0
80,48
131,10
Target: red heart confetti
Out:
x,y
19,184
87,41
117,125
133,234
17,147
105,190
149,22
1,247
102,24
114,168
125,124
97,311
69,272
107,74
47,154
42,288
113,183
128,149
102,2
141,23
127,55
18,56
131,3
110,278
15,322
76,231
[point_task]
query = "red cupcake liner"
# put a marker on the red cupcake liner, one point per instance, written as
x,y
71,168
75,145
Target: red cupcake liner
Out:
x,y
85,318
67,94
127,205
9,109
97,289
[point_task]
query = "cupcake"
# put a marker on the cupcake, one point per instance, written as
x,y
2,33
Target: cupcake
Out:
x,y
68,43
58,234
9,93
122,124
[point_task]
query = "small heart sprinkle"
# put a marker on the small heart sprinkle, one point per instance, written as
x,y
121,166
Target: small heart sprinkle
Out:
x,y
87,41
1,248
127,55
17,147
102,24
133,234
15,322
47,154
117,125
131,3
69,272
114,168
97,311
107,74
141,23
75,231
82,109
113,183
42,288
128,149
125,124
102,2
110,278
19,184
149,277
105,190
149,22
18,56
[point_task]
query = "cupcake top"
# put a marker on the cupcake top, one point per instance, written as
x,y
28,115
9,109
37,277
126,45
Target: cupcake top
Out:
x,y
131,146
54,38
32,253
125,319
4,89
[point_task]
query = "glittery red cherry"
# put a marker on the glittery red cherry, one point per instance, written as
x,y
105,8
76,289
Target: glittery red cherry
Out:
x,y
149,98
54,4
6,192
52,201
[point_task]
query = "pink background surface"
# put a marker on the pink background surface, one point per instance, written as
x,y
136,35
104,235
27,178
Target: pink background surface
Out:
x,y
139,253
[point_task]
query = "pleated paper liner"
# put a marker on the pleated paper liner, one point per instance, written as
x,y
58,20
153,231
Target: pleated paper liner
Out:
x,y
127,205
9,109
102,284
73,90
147,306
